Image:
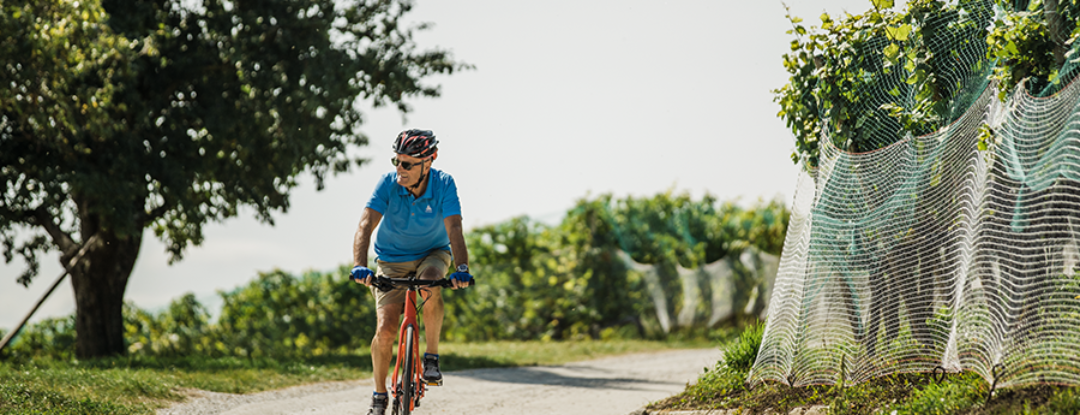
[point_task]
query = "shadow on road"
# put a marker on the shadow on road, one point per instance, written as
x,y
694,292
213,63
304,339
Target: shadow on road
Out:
x,y
569,376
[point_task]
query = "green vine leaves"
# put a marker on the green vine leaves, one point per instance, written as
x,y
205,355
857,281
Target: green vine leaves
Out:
x,y
868,80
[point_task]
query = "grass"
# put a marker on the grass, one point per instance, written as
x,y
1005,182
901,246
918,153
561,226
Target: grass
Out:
x,y
722,387
461,356
140,385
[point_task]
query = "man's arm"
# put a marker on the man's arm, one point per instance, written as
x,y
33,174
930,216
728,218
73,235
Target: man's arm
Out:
x,y
457,242
368,221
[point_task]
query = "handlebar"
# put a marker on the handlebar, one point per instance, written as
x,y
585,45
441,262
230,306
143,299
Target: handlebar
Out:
x,y
388,284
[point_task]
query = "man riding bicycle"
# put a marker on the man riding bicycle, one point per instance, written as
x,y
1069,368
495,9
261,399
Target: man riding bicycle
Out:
x,y
421,230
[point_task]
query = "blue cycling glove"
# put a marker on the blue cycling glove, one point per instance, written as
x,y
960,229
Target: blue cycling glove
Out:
x,y
464,277
359,273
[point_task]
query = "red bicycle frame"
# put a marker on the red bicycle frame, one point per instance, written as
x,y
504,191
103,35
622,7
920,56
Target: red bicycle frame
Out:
x,y
409,321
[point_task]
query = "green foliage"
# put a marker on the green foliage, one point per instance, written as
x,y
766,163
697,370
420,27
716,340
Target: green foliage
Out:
x,y
18,398
62,68
671,230
528,287
986,138
52,337
870,79
535,282
722,386
281,315
568,281
277,314
120,116
155,114
1030,46
947,397
1066,402
1021,40
713,386
743,353
673,227
177,331
139,384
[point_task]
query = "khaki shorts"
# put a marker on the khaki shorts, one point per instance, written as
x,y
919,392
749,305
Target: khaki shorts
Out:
x,y
439,258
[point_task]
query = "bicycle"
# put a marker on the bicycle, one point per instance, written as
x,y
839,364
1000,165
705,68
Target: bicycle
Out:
x,y
409,387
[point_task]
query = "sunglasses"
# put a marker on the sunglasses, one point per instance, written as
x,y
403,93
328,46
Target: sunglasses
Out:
x,y
404,164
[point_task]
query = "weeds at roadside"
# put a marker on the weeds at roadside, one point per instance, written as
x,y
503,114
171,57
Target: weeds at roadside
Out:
x,y
723,387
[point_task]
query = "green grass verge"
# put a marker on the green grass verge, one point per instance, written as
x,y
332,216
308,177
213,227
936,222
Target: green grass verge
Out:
x,y
140,385
722,387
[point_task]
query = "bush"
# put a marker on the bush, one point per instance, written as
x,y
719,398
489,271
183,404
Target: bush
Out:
x,y
48,338
741,355
180,330
1066,402
281,315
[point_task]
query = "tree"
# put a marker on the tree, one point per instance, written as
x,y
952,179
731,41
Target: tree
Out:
x,y
118,116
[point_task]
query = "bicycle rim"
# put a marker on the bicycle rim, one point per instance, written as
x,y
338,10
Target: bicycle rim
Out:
x,y
408,387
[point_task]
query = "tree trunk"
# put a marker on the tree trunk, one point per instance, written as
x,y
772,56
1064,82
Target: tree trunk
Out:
x,y
100,280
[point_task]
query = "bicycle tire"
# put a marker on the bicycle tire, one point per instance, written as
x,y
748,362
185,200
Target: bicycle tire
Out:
x,y
408,388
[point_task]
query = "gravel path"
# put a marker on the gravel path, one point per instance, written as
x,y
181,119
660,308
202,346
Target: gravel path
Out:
x,y
614,385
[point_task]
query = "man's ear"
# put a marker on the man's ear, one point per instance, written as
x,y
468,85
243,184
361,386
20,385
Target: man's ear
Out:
x,y
435,155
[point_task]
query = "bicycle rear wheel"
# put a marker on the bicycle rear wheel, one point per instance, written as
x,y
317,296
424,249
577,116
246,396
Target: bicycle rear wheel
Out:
x,y
408,387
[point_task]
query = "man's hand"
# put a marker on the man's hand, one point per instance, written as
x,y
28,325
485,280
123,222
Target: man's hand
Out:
x,y
461,279
362,275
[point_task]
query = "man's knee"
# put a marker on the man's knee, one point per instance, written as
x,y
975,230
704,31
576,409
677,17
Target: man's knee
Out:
x,y
386,322
384,331
431,273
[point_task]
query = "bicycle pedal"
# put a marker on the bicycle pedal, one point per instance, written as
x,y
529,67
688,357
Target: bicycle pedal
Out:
x,y
433,382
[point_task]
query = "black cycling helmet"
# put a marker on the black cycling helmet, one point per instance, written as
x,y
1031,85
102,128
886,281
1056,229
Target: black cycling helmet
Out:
x,y
416,143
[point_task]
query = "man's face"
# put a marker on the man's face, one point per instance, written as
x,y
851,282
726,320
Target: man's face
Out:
x,y
409,177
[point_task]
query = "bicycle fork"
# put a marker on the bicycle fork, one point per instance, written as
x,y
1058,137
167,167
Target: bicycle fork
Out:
x,y
408,363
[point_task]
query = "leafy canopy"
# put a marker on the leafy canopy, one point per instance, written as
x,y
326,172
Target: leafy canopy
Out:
x,y
119,115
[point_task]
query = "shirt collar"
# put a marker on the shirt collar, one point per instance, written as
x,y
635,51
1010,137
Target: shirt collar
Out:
x,y
427,192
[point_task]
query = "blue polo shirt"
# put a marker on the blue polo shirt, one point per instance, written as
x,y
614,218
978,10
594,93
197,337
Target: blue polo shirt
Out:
x,y
413,227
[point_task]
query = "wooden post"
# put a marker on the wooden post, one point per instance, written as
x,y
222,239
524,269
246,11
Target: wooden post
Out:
x,y
9,336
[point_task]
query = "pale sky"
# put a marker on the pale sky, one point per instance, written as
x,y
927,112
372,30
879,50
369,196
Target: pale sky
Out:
x,y
569,99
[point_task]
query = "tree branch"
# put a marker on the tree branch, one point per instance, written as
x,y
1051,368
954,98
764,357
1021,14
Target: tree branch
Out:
x,y
60,238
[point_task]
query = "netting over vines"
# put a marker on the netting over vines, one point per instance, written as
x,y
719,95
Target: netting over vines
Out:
x,y
933,253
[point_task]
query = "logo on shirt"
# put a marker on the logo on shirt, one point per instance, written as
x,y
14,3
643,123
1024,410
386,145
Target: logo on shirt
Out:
x,y
428,210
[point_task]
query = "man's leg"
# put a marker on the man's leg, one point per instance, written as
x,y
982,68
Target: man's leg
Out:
x,y
386,330
433,310
433,267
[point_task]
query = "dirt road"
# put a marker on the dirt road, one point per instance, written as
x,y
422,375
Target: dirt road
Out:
x,y
615,385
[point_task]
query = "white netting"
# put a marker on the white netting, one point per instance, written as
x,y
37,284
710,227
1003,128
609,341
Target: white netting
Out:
x,y
750,267
932,253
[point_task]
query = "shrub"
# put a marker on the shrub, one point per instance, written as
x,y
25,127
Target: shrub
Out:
x,y
741,355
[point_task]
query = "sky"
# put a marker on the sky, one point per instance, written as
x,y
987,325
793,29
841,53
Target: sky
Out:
x,y
569,99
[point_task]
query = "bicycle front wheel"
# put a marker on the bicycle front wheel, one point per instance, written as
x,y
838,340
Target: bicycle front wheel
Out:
x,y
408,385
